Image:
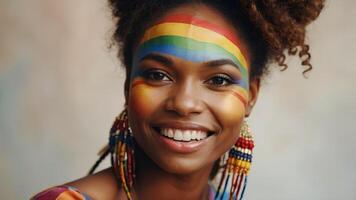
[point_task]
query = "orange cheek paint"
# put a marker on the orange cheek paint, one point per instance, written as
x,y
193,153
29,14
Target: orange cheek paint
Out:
x,y
141,97
234,103
232,107
137,82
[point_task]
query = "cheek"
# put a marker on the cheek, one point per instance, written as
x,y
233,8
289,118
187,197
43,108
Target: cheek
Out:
x,y
232,107
230,112
142,98
241,94
233,104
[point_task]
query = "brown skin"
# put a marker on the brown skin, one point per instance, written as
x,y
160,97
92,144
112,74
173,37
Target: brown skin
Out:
x,y
164,172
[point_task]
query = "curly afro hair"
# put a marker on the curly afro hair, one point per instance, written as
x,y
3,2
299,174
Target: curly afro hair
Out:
x,y
274,29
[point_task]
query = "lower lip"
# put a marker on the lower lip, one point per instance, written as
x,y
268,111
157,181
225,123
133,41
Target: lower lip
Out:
x,y
181,147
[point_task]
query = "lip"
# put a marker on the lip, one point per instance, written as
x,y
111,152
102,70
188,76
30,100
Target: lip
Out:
x,y
181,147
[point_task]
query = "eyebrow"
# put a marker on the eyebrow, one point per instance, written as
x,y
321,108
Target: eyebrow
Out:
x,y
220,62
169,62
159,58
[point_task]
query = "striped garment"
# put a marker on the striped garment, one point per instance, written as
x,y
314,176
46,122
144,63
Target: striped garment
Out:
x,y
65,192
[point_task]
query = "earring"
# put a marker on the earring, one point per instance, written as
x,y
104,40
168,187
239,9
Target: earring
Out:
x,y
237,166
121,145
121,148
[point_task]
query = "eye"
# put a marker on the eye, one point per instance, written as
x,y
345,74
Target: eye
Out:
x,y
220,80
156,75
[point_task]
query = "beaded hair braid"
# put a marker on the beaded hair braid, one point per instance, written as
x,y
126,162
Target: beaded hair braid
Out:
x,y
121,149
122,153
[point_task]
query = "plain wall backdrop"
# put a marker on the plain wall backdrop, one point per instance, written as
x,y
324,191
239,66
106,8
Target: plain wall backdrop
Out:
x,y
61,87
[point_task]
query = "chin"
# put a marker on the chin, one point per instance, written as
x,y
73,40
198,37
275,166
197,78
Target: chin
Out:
x,y
182,166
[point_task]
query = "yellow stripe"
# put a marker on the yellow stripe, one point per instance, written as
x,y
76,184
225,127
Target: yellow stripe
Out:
x,y
196,33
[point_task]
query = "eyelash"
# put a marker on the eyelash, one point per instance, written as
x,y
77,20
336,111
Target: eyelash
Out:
x,y
159,75
226,80
153,73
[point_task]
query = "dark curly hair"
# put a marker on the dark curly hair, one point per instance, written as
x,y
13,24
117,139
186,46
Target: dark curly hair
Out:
x,y
273,29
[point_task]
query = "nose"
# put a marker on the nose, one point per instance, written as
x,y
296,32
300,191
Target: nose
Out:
x,y
184,99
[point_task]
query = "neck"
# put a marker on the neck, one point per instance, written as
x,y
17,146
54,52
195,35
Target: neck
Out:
x,y
152,182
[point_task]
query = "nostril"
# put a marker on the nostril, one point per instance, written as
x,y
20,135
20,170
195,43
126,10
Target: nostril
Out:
x,y
184,105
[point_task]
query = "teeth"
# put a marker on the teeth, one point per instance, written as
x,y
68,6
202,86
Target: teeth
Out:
x,y
165,133
187,135
178,135
170,133
203,135
184,135
198,135
194,135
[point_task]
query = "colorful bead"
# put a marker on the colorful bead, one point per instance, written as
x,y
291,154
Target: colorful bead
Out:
x,y
122,152
238,164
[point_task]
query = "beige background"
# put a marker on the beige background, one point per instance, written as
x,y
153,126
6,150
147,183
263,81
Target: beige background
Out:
x,y
60,88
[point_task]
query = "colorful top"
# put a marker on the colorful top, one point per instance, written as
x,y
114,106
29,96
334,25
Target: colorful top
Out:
x,y
66,192
63,192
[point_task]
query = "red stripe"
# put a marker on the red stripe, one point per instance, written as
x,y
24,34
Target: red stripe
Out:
x,y
240,97
182,18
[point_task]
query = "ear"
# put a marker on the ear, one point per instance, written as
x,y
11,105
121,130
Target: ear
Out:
x,y
253,93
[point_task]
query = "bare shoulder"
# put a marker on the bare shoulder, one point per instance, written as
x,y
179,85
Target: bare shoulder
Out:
x,y
101,185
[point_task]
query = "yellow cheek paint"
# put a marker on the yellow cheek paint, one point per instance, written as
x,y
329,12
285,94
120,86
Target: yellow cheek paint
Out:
x,y
141,96
232,107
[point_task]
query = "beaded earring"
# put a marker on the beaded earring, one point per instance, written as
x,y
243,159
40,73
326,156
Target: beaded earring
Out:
x,y
237,166
121,149
122,152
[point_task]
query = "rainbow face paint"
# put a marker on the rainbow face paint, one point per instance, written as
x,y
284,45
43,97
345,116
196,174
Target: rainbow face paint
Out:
x,y
195,40
188,72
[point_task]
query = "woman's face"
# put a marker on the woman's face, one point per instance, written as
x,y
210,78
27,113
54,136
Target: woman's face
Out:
x,y
189,89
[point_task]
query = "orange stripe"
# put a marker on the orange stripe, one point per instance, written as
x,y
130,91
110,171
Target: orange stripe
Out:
x,y
137,82
239,96
70,195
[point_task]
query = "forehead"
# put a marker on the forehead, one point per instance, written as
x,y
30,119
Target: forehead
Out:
x,y
202,11
213,16
196,33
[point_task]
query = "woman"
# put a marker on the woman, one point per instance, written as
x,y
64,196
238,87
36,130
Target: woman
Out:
x,y
193,71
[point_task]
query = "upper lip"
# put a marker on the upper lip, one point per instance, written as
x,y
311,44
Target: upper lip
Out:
x,y
183,126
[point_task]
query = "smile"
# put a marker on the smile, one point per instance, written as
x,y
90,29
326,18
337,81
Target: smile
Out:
x,y
183,135
183,138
